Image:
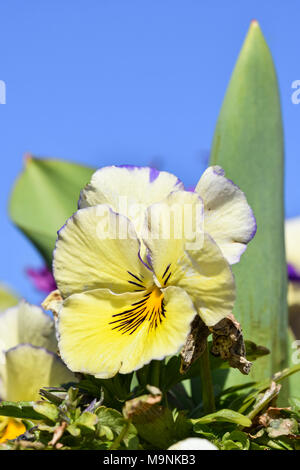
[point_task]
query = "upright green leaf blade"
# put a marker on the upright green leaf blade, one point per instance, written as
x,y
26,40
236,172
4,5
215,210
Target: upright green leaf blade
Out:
x,y
225,415
20,409
248,144
44,197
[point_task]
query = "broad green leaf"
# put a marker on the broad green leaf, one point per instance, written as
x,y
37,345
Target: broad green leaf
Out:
x,y
228,416
21,409
111,424
248,144
159,430
86,422
44,196
265,386
235,440
156,424
7,298
48,410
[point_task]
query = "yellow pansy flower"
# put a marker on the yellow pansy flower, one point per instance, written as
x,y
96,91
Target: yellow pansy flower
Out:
x,y
10,428
120,310
28,360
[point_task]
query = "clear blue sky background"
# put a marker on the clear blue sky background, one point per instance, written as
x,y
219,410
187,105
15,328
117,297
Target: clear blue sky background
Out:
x,y
128,81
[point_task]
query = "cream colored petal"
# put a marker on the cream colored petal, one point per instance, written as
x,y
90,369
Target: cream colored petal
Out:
x,y
197,266
26,323
228,217
174,225
209,282
193,443
102,333
29,368
141,184
129,190
292,242
294,294
2,375
98,248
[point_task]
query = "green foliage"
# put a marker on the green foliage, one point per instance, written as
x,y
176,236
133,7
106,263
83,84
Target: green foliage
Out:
x,y
112,425
66,421
44,197
47,410
228,416
248,144
246,418
20,409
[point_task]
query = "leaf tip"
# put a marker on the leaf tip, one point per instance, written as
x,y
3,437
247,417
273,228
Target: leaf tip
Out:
x,y
27,158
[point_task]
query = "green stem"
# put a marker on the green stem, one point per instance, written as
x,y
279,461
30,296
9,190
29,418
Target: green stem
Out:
x,y
208,396
121,436
155,373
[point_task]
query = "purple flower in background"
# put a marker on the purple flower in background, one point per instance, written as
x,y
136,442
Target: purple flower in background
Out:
x,y
42,279
293,274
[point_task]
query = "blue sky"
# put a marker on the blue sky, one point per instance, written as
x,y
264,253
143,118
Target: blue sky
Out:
x,y
128,81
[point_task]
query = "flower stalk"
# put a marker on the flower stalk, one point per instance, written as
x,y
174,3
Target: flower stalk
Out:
x,y
208,397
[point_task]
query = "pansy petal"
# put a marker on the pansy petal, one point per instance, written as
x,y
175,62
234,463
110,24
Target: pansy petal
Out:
x,y
102,333
227,216
173,226
98,248
26,323
13,429
198,267
142,184
292,242
29,368
129,190
210,282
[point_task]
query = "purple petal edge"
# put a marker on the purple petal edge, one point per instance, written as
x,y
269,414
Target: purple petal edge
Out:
x,y
153,174
293,274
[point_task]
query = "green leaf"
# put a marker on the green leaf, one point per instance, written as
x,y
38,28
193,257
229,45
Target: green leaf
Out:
x,y
111,423
48,410
295,404
44,196
21,409
248,144
86,422
262,400
236,440
228,416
